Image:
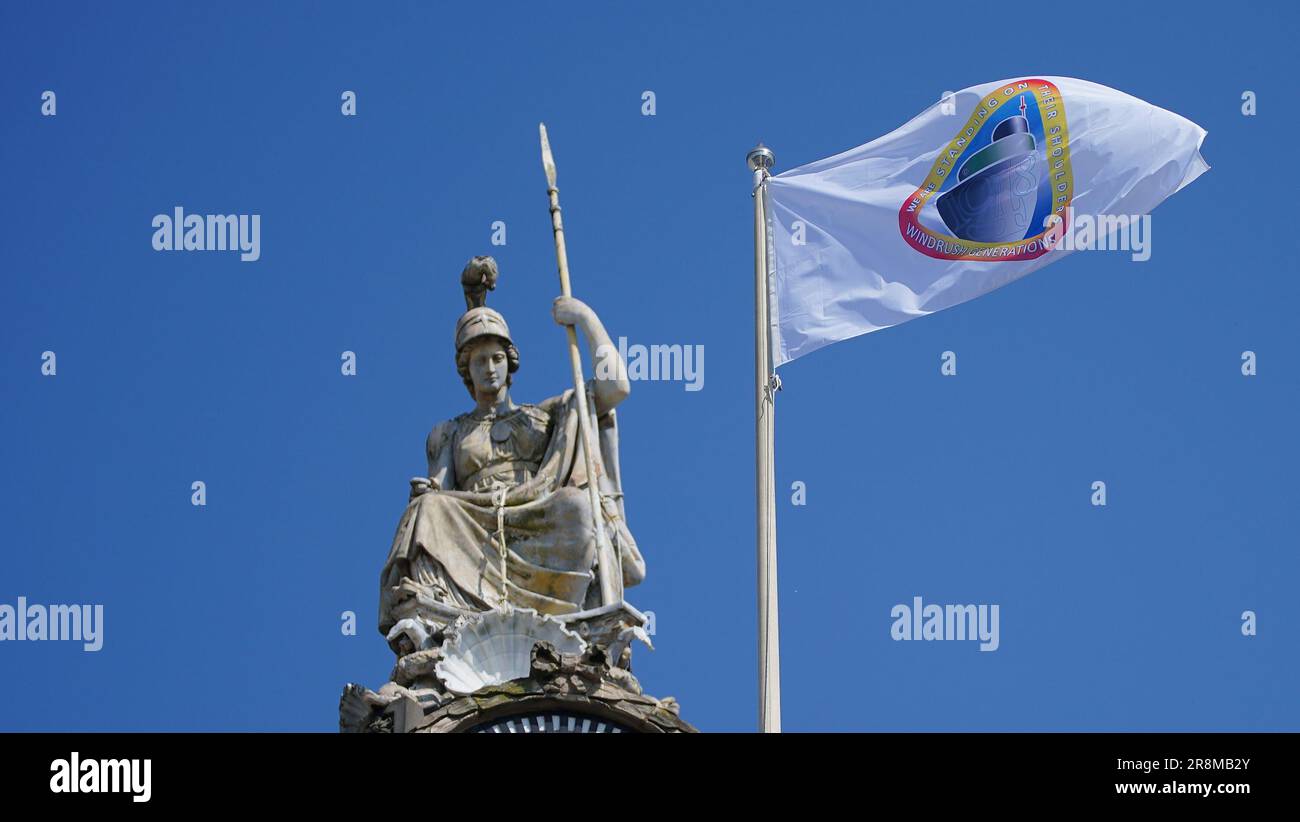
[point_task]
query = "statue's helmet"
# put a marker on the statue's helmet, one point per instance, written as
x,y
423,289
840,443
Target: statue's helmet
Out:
x,y
481,322
478,278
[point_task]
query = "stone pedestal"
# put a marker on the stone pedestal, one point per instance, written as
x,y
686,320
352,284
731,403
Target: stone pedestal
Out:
x,y
516,671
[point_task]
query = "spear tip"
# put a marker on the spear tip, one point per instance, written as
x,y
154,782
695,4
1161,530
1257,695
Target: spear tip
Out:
x,y
548,161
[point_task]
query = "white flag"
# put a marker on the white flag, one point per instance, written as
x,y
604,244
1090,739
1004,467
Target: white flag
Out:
x,y
977,191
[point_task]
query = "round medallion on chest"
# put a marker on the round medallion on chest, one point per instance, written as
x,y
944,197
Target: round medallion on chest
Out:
x,y
500,431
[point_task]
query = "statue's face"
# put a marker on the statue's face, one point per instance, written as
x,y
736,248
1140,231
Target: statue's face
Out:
x,y
488,366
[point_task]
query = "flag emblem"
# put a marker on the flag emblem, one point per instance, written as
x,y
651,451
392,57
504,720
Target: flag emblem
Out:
x,y
992,188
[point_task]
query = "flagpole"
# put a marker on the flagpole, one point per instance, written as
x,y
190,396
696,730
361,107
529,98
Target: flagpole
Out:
x,y
761,159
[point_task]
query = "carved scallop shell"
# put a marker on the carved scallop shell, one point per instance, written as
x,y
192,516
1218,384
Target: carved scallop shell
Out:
x,y
497,646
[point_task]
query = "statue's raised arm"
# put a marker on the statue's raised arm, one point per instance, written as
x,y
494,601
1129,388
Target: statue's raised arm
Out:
x,y
610,386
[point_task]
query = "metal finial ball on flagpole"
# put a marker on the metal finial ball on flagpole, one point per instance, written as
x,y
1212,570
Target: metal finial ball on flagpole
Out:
x,y
761,157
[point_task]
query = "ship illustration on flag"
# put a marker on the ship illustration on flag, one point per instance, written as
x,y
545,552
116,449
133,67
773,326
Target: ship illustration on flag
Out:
x,y
996,193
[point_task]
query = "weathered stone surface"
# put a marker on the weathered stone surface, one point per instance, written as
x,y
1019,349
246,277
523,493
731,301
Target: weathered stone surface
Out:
x,y
505,514
585,685
483,627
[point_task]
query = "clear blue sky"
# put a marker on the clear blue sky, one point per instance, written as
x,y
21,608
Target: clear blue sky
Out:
x,y
176,367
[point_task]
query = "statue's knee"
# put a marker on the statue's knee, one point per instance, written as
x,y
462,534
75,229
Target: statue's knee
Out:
x,y
580,509
573,505
576,509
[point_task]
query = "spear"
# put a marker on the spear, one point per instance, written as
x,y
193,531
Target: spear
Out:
x,y
611,576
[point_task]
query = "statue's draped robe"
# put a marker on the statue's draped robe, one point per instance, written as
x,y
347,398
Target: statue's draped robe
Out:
x,y
446,558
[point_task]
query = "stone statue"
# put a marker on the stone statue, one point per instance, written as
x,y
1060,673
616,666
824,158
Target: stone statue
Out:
x,y
503,517
502,595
